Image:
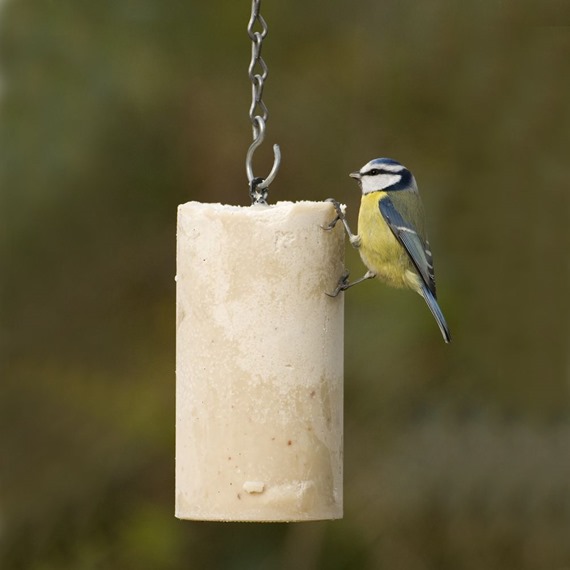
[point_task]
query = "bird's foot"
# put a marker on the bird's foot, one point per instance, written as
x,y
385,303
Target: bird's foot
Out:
x,y
342,284
340,214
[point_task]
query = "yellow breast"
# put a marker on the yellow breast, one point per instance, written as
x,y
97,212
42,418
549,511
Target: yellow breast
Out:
x,y
380,251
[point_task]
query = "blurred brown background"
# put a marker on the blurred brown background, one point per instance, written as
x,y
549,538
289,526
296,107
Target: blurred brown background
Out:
x,y
113,112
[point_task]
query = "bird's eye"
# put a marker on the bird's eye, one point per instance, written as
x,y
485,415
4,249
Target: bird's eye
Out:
x,y
373,172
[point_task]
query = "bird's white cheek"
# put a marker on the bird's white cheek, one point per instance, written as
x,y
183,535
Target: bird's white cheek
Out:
x,y
389,179
379,182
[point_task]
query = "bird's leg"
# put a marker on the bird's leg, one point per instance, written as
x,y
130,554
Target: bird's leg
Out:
x,y
343,283
340,215
355,241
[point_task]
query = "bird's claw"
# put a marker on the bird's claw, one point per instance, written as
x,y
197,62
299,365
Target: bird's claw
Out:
x,y
342,284
340,209
330,225
340,214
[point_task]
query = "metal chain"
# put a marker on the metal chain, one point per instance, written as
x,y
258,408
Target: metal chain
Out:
x,y
258,113
257,79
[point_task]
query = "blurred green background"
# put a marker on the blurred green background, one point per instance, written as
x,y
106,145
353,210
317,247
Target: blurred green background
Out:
x,y
114,112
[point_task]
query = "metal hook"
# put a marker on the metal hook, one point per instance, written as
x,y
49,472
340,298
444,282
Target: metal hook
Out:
x,y
259,132
276,163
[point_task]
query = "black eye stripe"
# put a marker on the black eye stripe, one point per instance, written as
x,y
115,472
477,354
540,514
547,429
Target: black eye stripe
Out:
x,y
376,171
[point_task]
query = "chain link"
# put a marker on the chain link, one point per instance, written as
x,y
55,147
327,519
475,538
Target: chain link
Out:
x,y
258,112
257,79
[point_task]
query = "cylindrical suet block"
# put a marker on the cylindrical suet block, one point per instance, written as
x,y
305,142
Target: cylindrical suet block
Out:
x,y
259,363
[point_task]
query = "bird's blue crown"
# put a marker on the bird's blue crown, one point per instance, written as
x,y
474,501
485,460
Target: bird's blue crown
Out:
x,y
382,161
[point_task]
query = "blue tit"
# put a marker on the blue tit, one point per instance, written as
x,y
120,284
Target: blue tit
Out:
x,y
392,238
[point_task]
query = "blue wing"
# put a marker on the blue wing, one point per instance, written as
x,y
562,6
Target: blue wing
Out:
x,y
416,246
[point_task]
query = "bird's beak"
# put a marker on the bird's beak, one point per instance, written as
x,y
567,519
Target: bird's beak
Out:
x,y
355,175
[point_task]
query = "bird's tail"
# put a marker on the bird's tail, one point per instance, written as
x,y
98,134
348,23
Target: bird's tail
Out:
x,y
436,312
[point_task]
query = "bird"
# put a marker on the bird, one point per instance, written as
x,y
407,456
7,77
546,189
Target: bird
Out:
x,y
392,237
